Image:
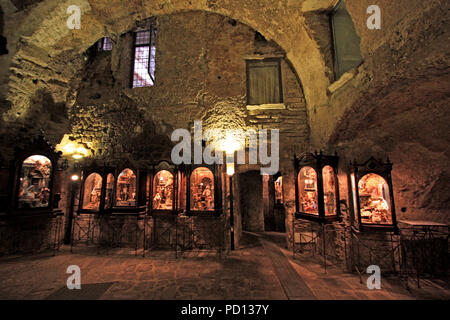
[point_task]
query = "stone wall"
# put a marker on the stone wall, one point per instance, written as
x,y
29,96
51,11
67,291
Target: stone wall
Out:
x,y
393,104
198,84
30,234
44,48
157,232
200,75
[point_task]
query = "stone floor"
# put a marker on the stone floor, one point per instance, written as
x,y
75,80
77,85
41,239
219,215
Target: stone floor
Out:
x,y
261,269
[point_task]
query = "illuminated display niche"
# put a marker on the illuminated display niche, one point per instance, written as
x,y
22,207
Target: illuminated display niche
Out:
x,y
97,189
190,189
35,166
126,189
317,189
164,189
164,193
202,191
34,182
372,193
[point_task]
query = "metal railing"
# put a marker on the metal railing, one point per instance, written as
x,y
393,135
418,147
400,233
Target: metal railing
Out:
x,y
31,234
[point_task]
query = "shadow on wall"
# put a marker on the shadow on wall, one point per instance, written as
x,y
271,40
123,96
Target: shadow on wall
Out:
x,y
412,129
43,114
22,4
250,189
152,142
3,41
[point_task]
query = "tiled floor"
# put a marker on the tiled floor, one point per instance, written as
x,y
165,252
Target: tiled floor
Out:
x,y
262,269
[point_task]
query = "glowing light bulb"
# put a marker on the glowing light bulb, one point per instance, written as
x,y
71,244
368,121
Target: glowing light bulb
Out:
x,y
230,169
230,144
75,177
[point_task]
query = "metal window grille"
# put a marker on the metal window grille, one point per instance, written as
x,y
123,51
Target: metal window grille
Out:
x,y
144,58
104,44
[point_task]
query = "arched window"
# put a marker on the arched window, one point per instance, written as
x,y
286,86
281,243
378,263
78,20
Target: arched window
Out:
x,y
329,190
109,191
92,192
34,182
307,184
126,189
202,190
375,203
163,191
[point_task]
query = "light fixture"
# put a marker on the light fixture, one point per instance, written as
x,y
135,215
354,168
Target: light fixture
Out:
x,y
75,177
230,173
230,169
230,143
71,148
79,153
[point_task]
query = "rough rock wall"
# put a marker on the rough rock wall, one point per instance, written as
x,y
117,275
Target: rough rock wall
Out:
x,y
46,41
200,79
410,52
397,104
200,75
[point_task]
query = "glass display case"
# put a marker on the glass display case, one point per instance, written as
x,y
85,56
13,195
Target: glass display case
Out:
x,y
92,192
308,194
181,191
202,190
34,185
317,190
34,182
126,189
97,189
278,186
372,192
329,190
163,191
109,191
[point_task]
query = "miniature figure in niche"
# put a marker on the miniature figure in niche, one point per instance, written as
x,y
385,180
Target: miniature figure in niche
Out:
x,y
329,190
126,188
279,190
307,179
163,191
374,200
202,190
92,192
34,184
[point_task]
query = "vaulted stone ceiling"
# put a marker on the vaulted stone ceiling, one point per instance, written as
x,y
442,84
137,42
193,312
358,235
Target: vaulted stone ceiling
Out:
x,y
47,51
50,52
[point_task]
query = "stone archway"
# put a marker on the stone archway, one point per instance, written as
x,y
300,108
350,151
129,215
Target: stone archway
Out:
x,y
49,54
